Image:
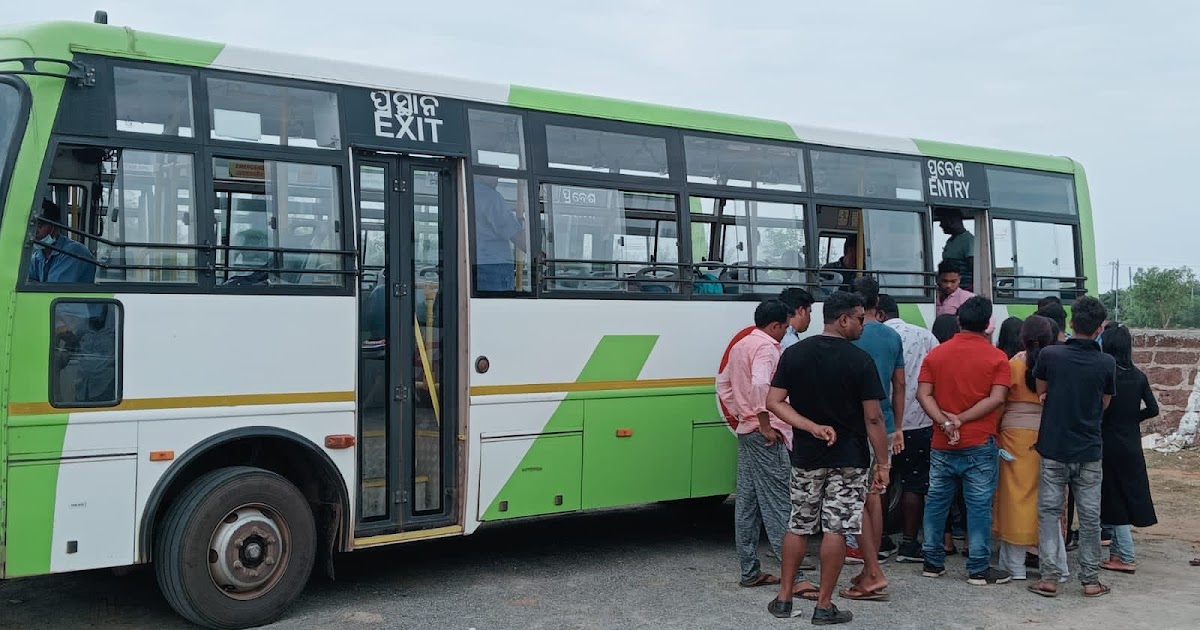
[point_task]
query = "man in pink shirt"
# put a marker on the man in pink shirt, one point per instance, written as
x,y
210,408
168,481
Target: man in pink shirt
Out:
x,y
949,295
764,468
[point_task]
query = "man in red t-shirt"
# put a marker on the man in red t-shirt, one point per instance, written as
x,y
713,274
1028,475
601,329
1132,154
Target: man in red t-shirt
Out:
x,y
962,385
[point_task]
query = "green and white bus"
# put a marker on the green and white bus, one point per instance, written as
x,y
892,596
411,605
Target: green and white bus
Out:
x,y
322,306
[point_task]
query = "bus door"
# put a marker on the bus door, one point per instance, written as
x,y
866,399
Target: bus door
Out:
x,y
407,314
962,236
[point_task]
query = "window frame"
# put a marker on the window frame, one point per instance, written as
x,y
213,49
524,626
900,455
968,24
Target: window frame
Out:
x,y
9,162
1039,213
205,101
1025,216
684,292
538,150
533,223
334,159
194,75
52,380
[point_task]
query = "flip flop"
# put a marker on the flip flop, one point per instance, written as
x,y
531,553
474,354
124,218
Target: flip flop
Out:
x,y
864,596
810,594
1033,588
856,580
1118,569
1104,590
763,579
1195,562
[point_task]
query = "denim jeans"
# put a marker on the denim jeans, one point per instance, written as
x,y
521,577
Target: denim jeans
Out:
x,y
1122,543
1084,480
496,277
977,469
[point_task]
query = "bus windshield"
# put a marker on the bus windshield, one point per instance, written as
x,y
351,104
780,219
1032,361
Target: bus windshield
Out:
x,y
10,105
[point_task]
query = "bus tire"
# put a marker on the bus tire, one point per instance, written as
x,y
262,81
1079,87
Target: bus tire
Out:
x,y
235,548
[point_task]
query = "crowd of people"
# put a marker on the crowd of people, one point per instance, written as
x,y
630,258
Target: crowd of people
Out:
x,y
1011,443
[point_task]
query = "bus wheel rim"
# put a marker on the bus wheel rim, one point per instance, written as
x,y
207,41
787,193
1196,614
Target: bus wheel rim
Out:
x,y
247,553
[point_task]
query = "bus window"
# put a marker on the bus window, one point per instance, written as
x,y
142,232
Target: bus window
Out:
x,y
856,175
497,139
601,239
578,149
85,354
500,234
153,102
1034,259
743,164
10,107
1035,192
266,206
240,111
759,245
895,248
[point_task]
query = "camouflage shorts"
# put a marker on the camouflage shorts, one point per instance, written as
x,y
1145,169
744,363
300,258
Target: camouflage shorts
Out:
x,y
828,499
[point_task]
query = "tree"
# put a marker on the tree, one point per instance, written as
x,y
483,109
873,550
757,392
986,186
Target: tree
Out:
x,y
1161,297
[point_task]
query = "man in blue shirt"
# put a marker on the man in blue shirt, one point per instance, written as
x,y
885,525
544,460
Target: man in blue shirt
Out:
x,y
68,261
887,351
497,231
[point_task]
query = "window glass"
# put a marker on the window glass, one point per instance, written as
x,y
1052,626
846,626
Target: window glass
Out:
x,y
149,101
497,139
85,368
270,114
500,234
896,250
743,244
743,164
10,106
606,152
148,199
1034,259
1020,190
610,240
854,175
264,207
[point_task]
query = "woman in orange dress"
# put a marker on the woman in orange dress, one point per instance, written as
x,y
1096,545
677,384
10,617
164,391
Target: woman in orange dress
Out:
x,y
1015,510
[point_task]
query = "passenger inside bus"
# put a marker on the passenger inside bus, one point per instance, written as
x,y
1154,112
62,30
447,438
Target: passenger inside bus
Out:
x,y
960,249
497,231
56,257
252,263
846,265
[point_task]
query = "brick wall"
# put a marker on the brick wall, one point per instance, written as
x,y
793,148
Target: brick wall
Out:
x,y
1171,360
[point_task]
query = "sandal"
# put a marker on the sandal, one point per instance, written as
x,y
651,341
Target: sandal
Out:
x,y
810,594
1119,567
1195,562
1104,590
763,579
1036,589
864,596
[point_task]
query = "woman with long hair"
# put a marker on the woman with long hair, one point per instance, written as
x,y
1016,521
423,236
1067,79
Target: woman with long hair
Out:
x,y
1125,489
1009,339
1015,510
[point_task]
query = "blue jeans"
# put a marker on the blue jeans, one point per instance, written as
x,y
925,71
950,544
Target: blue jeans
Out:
x,y
1122,543
496,277
977,469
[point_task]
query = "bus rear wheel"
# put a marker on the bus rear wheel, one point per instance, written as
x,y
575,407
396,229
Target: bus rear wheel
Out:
x,y
236,548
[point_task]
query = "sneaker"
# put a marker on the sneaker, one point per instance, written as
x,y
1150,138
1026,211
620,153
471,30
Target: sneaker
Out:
x,y
854,555
887,548
911,553
991,575
830,616
780,609
931,571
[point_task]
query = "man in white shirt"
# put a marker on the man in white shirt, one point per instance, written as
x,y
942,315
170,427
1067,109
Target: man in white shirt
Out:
x,y
911,465
801,302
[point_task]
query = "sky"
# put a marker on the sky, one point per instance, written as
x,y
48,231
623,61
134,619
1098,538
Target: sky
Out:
x,y
1114,85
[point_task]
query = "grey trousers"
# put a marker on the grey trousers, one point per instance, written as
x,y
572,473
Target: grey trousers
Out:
x,y
1084,480
763,500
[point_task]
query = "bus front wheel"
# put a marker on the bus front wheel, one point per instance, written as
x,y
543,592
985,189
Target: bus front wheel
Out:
x,y
235,548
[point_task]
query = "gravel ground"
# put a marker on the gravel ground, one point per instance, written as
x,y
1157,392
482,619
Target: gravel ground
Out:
x,y
650,567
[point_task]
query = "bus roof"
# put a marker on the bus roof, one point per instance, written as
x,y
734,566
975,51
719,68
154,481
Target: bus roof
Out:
x,y
61,39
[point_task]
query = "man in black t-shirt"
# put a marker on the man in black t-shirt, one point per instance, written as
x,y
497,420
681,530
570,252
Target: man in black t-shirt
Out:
x,y
834,392
1076,381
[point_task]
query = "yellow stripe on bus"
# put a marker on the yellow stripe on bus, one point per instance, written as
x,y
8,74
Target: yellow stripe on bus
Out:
x,y
589,386
186,402
421,534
